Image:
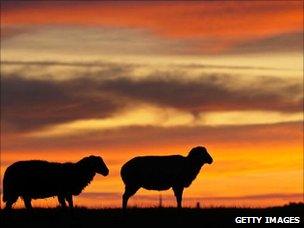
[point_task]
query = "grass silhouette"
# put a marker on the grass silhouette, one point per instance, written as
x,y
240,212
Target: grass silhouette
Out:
x,y
84,217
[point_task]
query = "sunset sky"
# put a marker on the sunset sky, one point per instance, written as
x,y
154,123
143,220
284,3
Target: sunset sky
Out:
x,y
122,79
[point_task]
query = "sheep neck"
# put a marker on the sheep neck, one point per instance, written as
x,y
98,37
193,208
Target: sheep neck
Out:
x,y
84,177
192,170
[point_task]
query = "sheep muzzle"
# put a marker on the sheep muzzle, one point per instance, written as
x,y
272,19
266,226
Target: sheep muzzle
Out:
x,y
210,161
103,171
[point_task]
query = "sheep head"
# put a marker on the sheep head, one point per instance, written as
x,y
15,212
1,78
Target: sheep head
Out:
x,y
200,154
96,164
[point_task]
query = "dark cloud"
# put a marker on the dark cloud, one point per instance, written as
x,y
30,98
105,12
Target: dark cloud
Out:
x,y
130,66
100,69
211,93
280,43
29,104
68,64
12,31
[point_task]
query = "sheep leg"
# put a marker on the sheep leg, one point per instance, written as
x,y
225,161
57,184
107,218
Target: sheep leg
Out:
x,y
129,191
69,198
27,202
61,200
178,192
10,203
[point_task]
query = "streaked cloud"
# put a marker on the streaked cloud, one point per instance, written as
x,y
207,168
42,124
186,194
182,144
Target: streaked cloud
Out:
x,y
33,103
212,92
166,118
286,42
30,104
136,41
144,138
168,27
173,20
97,40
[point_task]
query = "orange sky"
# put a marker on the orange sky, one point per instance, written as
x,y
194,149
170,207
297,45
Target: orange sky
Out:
x,y
228,23
182,20
139,78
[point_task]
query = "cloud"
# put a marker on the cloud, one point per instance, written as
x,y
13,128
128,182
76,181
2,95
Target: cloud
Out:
x,y
91,40
108,64
136,139
13,31
131,41
211,92
146,115
147,28
286,42
30,104
181,20
62,63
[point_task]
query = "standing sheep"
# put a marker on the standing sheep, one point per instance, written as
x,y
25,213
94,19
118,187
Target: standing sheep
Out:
x,y
41,179
162,173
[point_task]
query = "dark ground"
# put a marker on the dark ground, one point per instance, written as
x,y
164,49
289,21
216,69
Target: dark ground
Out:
x,y
144,217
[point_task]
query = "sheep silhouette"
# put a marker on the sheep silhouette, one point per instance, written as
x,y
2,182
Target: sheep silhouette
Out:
x,y
162,173
41,179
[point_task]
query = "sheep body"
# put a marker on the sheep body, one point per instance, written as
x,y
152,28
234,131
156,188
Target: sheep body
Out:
x,y
41,179
163,172
168,172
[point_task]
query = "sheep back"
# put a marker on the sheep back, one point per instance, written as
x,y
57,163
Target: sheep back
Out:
x,y
42,179
155,172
